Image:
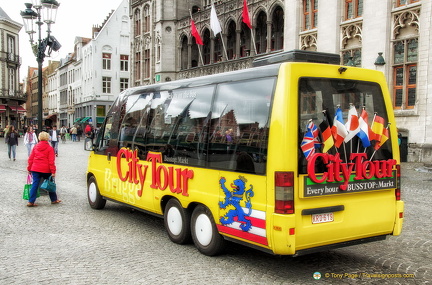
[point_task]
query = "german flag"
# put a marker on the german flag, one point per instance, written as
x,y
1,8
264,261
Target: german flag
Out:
x,y
326,136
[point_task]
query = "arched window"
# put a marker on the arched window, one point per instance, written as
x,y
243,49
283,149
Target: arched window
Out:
x,y
245,40
261,33
277,29
217,54
184,52
137,22
206,46
231,40
146,19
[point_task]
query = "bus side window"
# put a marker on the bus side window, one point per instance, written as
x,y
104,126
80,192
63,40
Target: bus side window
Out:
x,y
239,132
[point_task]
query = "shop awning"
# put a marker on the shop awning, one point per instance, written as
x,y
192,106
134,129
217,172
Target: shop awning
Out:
x,y
17,109
77,120
85,119
100,120
2,108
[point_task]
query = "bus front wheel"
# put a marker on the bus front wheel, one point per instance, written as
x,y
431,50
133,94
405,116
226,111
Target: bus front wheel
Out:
x,y
177,222
204,232
95,199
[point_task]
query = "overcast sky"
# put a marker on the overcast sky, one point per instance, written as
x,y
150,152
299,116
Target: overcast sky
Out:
x,y
74,18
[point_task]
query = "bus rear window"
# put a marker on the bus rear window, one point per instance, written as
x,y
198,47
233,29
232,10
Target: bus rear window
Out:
x,y
331,103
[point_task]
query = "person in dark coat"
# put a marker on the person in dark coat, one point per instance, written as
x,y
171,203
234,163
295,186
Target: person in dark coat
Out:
x,y
41,164
12,142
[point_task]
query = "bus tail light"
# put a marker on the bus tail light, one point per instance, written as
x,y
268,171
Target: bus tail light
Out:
x,y
284,192
398,177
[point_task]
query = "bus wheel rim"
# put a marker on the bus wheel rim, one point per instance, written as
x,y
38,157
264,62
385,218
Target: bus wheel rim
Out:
x,y
92,192
203,230
174,221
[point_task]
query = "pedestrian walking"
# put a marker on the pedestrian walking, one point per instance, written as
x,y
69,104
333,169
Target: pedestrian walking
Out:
x,y
79,133
73,132
12,142
63,132
41,164
30,139
54,138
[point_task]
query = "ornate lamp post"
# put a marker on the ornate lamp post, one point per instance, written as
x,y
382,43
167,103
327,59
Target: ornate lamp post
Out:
x,y
45,12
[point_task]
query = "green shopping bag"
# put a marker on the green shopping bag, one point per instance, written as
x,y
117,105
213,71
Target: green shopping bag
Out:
x,y
27,188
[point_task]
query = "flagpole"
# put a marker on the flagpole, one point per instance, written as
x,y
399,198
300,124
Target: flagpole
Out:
x,y
253,42
198,46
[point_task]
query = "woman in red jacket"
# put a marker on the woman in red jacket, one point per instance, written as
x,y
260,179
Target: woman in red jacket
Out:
x,y
41,164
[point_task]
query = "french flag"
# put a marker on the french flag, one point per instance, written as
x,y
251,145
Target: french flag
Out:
x,y
365,130
338,129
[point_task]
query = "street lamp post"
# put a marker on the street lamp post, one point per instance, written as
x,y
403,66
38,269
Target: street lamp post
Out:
x,y
46,12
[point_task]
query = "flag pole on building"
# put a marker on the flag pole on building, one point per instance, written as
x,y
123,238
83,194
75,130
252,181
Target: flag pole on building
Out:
x,y
216,27
246,20
197,36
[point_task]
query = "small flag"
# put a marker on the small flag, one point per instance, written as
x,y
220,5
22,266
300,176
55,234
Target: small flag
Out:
x,y
365,130
377,128
315,133
384,137
352,125
245,15
338,129
326,135
195,33
214,22
308,145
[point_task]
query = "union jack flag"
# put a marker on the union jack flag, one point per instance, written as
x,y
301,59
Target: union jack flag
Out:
x,y
308,145
315,133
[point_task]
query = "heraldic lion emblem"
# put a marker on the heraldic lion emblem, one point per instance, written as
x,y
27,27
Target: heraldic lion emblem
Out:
x,y
235,198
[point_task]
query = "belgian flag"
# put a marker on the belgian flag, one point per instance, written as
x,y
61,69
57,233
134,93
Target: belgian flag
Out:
x,y
326,134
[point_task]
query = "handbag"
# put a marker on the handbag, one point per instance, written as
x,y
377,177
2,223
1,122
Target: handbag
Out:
x,y
49,185
27,188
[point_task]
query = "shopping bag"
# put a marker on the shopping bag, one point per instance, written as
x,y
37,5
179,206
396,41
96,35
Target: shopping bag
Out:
x,y
48,185
27,188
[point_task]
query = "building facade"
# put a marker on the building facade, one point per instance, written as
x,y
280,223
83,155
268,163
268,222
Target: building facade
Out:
x,y
391,36
11,95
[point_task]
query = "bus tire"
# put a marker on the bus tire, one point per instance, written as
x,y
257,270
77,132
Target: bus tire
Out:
x,y
177,222
204,232
95,199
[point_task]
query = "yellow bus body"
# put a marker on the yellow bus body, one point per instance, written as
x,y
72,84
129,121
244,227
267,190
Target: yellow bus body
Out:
x,y
360,215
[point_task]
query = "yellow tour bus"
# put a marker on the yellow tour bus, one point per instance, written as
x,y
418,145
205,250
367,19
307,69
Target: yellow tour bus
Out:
x,y
294,155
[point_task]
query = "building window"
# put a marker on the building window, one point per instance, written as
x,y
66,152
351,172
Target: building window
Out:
x,y
310,14
124,84
12,80
147,63
353,9
137,66
106,85
124,63
137,22
405,56
146,19
405,2
106,61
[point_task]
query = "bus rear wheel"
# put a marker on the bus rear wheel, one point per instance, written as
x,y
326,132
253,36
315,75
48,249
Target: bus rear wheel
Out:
x,y
95,199
177,222
204,232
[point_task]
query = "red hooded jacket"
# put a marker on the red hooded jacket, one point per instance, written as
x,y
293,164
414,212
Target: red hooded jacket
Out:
x,y
42,158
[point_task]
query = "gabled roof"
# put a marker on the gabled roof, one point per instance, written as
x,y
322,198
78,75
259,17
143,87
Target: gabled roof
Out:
x,y
5,17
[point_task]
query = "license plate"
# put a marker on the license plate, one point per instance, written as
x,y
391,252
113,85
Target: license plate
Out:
x,y
322,218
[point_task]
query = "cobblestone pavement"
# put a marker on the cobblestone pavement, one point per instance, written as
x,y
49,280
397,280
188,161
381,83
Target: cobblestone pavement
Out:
x,y
71,243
